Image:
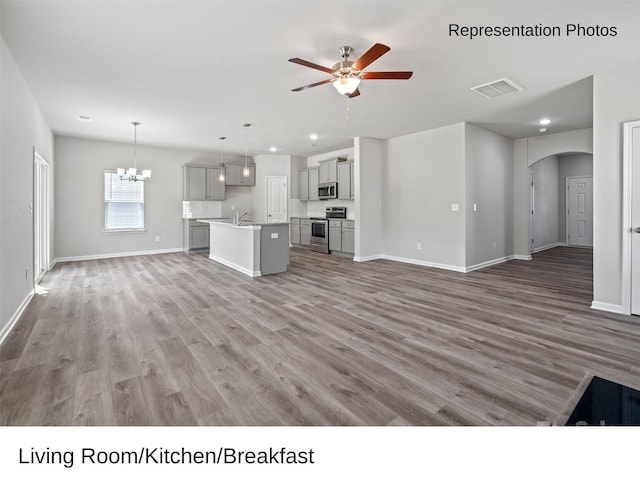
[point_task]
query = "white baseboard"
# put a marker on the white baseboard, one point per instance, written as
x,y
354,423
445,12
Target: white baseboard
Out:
x,y
367,259
241,269
547,247
15,317
423,263
607,307
116,255
522,257
489,263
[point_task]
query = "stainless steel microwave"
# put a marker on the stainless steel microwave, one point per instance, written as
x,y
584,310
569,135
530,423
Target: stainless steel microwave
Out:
x,y
327,190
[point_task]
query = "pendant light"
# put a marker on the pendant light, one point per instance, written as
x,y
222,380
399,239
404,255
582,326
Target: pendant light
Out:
x,y
245,171
221,176
132,174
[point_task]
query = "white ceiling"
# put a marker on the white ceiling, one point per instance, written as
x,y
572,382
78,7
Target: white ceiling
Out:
x,y
192,71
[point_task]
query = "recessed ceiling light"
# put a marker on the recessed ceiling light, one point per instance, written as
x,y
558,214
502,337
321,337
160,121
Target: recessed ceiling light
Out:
x,y
313,136
273,149
542,130
84,118
544,121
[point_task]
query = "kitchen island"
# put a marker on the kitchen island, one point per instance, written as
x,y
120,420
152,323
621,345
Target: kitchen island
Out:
x,y
253,248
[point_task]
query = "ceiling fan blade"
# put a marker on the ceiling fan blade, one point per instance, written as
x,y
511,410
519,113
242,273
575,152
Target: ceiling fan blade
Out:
x,y
355,93
370,56
328,80
387,75
304,63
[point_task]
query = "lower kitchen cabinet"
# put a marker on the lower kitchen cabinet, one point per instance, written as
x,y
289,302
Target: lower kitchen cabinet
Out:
x,y
294,231
335,235
196,236
348,236
199,237
305,232
341,236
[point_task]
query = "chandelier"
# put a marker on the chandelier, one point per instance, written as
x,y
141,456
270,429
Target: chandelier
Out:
x,y
132,174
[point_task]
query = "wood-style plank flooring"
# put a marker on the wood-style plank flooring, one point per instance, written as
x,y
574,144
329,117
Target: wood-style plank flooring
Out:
x,y
178,339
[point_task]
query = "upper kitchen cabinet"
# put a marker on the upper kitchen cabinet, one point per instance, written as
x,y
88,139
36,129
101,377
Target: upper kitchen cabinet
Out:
x,y
203,183
309,183
328,172
235,177
313,183
345,181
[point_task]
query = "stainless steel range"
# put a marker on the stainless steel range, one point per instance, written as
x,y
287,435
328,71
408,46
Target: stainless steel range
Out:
x,y
320,228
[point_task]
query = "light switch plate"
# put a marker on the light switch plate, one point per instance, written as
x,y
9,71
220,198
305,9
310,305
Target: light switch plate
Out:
x,y
274,235
455,207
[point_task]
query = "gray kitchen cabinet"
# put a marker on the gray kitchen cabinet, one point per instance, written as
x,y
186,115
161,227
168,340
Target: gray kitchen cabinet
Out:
x,y
195,236
309,183
234,175
202,183
199,237
335,235
341,236
215,188
294,225
345,181
304,184
348,236
305,232
327,171
313,183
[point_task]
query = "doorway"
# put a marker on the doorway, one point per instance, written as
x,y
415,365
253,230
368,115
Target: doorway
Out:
x,y
41,224
276,201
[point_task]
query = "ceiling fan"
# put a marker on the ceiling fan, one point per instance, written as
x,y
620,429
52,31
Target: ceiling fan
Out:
x,y
346,75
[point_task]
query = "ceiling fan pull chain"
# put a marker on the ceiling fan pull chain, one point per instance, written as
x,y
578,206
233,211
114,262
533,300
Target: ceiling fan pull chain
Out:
x,y
348,108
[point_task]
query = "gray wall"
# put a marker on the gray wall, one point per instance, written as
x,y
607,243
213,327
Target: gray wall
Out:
x,y
368,160
423,175
22,127
80,204
615,101
546,206
268,165
488,185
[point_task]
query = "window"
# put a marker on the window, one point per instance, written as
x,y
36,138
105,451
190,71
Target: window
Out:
x,y
123,203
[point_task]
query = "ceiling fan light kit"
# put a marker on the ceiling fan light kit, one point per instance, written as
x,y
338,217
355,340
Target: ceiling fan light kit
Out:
x,y
347,75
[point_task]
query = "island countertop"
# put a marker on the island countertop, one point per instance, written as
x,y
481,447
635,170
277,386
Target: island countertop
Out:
x,y
242,223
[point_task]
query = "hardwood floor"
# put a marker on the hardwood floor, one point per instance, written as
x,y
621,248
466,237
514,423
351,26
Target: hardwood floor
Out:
x,y
178,339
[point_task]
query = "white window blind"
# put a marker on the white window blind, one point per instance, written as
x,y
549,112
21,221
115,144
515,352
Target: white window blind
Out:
x,y
123,203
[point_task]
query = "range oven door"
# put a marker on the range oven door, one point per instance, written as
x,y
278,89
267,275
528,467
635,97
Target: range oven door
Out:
x,y
320,236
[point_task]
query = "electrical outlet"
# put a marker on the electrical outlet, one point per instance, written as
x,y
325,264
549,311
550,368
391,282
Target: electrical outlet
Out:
x,y
494,245
418,246
274,235
157,238
475,207
455,207
233,207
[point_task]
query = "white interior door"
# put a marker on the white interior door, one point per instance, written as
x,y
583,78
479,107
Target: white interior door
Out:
x,y
40,217
635,222
580,211
531,209
276,199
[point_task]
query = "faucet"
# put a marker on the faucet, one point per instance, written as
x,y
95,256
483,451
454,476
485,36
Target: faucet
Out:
x,y
238,216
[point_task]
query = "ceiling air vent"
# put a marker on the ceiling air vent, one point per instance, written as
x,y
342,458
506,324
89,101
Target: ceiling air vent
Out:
x,y
497,88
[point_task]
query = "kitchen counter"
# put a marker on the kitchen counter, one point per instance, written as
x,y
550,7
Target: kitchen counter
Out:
x,y
253,248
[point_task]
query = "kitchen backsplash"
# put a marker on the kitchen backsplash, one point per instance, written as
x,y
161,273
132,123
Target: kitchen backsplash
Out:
x,y
201,209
